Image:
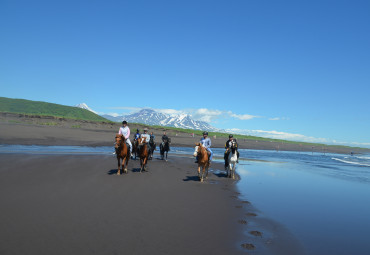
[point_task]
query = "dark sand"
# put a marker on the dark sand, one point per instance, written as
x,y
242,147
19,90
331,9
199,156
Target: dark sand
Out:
x,y
76,204
72,204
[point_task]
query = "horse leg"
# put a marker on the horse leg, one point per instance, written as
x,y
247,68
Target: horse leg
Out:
x,y
119,166
234,166
126,163
203,174
166,155
145,161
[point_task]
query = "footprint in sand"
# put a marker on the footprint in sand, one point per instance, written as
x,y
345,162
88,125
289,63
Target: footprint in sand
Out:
x,y
244,222
255,233
248,246
251,214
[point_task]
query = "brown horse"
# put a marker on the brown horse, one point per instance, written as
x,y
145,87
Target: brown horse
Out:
x,y
203,160
122,152
143,152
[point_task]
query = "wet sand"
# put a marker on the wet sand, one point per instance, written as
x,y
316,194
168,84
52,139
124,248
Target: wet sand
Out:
x,y
76,204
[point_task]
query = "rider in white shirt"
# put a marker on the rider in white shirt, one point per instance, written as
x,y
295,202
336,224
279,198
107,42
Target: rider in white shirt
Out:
x,y
125,131
147,136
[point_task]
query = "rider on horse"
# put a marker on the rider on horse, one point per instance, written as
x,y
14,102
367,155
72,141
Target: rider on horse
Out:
x,y
227,152
206,142
137,135
164,138
125,131
147,136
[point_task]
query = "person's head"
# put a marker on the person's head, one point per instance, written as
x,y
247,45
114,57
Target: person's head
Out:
x,y
145,130
124,123
151,133
205,134
164,133
231,137
137,131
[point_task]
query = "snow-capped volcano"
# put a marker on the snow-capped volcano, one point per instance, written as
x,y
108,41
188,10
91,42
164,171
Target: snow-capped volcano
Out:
x,y
152,117
84,106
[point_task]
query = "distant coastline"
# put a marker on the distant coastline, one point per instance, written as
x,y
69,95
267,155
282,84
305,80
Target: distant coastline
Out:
x,y
49,130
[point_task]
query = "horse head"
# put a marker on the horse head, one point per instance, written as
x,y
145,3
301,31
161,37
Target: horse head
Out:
x,y
232,147
141,141
197,148
119,141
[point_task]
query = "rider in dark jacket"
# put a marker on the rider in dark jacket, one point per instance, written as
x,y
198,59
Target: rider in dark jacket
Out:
x,y
164,137
227,152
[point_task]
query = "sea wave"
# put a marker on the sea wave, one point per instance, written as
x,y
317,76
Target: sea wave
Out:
x,y
352,162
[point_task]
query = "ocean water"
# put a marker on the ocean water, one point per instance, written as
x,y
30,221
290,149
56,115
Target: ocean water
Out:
x,y
323,199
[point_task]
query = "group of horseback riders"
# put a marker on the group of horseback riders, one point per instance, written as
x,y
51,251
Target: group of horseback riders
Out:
x,y
206,142
149,139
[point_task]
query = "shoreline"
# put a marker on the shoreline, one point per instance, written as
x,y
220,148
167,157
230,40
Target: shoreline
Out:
x,y
26,130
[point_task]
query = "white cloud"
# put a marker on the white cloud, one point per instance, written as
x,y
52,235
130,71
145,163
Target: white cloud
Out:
x,y
114,114
279,118
280,135
242,116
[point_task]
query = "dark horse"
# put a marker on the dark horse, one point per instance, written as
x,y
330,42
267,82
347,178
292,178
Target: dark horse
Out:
x,y
143,152
122,152
152,147
165,148
134,148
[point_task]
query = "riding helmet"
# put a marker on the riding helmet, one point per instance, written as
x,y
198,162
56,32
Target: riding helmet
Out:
x,y
231,136
205,133
124,122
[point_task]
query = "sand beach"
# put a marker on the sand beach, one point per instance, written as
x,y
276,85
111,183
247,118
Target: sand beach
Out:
x,y
76,204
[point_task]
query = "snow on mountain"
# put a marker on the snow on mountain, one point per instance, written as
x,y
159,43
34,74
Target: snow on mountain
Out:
x,y
84,106
152,117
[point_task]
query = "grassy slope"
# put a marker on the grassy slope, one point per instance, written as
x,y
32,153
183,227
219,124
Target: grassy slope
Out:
x,y
47,109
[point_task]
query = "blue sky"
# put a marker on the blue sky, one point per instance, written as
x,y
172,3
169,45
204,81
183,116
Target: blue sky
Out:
x,y
285,69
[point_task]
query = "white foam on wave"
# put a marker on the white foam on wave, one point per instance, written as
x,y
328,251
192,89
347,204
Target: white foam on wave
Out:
x,y
350,162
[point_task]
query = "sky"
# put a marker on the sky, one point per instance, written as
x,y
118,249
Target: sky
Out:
x,y
283,69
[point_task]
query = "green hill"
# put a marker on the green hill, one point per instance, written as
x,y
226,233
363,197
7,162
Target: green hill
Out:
x,y
29,107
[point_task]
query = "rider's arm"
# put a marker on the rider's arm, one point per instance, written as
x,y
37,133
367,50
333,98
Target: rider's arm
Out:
x,y
128,133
